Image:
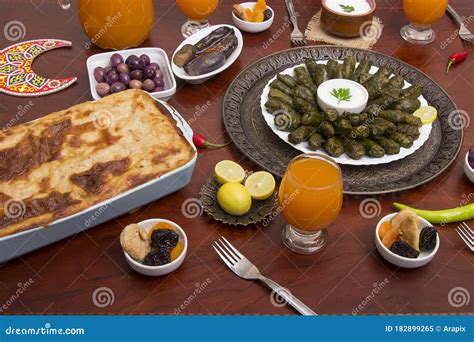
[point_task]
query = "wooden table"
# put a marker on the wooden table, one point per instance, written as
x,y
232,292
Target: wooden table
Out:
x,y
339,280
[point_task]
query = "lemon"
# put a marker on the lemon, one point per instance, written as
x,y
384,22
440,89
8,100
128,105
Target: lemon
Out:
x,y
234,198
229,171
260,185
427,114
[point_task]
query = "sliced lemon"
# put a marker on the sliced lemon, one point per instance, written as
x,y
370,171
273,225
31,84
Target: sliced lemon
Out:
x,y
260,185
228,171
427,114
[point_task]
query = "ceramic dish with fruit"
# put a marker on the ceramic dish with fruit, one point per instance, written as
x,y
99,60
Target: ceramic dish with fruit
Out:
x,y
154,247
144,68
207,53
252,17
469,164
238,197
406,240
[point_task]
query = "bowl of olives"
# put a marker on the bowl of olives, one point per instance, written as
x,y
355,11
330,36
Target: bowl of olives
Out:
x,y
154,247
144,68
406,240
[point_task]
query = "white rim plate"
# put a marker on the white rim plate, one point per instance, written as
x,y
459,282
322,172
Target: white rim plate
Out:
x,y
344,159
179,72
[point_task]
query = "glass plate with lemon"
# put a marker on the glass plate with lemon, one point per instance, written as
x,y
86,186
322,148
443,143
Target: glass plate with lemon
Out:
x,y
238,197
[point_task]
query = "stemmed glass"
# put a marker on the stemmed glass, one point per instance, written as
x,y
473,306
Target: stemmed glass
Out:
x,y
310,197
197,12
422,13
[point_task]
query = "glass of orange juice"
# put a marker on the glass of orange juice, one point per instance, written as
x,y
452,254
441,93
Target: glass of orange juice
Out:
x,y
197,12
112,24
422,13
310,199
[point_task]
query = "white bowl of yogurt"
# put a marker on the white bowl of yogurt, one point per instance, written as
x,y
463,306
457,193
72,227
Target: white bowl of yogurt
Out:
x,y
342,95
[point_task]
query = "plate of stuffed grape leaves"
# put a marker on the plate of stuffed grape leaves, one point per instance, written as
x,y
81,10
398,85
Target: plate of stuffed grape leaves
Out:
x,y
366,120
317,106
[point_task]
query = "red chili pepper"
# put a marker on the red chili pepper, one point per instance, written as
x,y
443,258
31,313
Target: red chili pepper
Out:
x,y
456,58
201,142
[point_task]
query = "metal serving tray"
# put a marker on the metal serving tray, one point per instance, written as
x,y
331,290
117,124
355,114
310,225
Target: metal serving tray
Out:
x,y
23,242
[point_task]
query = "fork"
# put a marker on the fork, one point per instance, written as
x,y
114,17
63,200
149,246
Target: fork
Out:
x,y
464,33
466,234
296,37
242,266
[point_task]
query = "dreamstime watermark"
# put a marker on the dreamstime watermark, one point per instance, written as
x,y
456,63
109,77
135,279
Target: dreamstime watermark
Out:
x,y
286,24
14,208
199,110
102,119
199,288
465,200
280,297
14,30
47,329
90,220
287,199
191,208
455,34
283,119
459,119
458,297
21,288
21,110
370,208
377,288
103,296
370,30
109,22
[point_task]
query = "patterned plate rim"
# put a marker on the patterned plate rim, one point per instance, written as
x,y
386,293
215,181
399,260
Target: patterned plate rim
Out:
x,y
336,47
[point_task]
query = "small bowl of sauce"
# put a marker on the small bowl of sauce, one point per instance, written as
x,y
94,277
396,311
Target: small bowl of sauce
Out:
x,y
346,18
342,95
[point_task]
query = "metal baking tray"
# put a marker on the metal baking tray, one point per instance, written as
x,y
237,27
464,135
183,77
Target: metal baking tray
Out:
x,y
23,242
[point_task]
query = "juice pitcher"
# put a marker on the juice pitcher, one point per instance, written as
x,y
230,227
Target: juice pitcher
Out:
x,y
112,24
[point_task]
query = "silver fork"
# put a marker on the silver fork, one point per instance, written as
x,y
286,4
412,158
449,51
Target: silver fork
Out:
x,y
242,266
466,234
464,33
296,37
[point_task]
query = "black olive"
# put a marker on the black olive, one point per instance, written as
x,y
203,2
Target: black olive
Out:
x,y
404,249
164,239
428,238
157,258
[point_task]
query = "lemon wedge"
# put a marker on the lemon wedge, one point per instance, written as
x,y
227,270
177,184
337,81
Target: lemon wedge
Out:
x,y
427,114
260,185
228,171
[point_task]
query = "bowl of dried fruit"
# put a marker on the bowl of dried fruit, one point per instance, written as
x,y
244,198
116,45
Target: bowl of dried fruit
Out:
x,y
252,17
154,247
406,240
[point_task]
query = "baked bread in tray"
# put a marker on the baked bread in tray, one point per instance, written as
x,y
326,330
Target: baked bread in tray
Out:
x,y
70,160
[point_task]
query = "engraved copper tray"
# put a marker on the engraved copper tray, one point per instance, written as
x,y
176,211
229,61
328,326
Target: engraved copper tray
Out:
x,y
249,132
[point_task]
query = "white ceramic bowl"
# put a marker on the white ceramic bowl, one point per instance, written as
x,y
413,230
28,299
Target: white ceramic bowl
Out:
x,y
156,55
423,258
248,26
179,72
164,269
468,170
356,104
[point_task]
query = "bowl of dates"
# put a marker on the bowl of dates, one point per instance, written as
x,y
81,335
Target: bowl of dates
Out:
x,y
154,247
469,164
406,240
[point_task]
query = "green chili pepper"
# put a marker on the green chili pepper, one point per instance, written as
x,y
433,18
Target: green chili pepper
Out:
x,y
457,214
